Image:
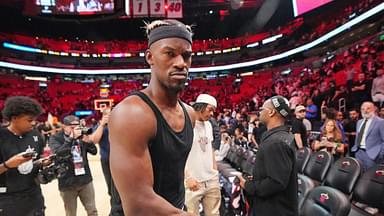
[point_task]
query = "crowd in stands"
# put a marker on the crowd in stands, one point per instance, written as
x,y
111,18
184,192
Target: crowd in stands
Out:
x,y
295,33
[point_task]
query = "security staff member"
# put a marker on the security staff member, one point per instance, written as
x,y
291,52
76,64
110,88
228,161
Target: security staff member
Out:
x,y
273,187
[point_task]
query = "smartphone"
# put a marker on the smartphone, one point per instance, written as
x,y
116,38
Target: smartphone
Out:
x,y
28,154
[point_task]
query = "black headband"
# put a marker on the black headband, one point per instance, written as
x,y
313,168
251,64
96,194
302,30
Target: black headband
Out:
x,y
170,31
281,104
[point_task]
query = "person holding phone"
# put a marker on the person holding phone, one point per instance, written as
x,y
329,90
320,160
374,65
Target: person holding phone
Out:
x,y
20,149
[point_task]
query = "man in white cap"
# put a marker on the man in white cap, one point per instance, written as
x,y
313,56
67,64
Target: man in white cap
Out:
x,y
298,127
201,175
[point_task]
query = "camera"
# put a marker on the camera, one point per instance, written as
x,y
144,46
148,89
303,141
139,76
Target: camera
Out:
x,y
86,131
56,169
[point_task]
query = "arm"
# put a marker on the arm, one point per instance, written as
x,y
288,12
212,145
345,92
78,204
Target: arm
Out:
x,y
373,89
131,165
13,162
95,137
278,167
299,142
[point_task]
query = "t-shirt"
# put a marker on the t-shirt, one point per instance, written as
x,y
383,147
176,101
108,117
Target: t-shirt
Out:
x,y
12,181
200,160
298,127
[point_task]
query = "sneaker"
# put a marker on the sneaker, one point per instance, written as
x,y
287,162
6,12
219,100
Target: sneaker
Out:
x,y
371,210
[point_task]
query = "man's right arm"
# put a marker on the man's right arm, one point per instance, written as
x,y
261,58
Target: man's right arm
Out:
x,y
132,124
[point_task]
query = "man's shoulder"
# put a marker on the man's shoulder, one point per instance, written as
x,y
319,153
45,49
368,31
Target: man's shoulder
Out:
x,y
132,105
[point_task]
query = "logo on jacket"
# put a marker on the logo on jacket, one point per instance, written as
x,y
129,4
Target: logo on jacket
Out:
x,y
35,138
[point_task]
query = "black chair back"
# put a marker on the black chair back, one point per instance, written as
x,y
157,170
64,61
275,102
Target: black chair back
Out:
x,y
304,185
344,174
370,188
302,158
318,165
325,201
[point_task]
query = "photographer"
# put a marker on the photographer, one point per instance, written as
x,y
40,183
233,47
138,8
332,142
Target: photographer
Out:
x,y
20,144
77,181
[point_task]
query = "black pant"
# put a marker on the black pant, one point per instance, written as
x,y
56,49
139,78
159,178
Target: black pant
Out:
x,y
116,207
22,205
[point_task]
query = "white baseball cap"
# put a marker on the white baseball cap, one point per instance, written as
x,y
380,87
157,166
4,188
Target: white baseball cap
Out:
x,y
206,98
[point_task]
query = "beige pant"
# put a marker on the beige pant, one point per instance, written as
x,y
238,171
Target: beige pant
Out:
x,y
86,193
209,195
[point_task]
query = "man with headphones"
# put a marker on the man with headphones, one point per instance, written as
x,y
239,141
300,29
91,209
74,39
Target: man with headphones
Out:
x,y
273,186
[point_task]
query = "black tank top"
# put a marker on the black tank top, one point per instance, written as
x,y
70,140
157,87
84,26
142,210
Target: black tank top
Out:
x,y
169,151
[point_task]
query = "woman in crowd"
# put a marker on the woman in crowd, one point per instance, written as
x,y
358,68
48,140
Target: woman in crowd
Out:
x,y
331,140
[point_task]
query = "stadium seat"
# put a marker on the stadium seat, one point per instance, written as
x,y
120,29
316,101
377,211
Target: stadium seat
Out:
x,y
305,185
318,166
250,164
343,175
247,154
325,201
302,158
369,190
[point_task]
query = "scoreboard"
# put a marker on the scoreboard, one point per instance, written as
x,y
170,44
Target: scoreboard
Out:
x,y
154,8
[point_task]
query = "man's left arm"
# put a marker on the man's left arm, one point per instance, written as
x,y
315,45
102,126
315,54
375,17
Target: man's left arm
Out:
x,y
279,168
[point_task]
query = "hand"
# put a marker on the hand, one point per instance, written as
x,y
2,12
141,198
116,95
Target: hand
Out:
x,y
242,180
43,161
104,119
330,144
75,133
192,184
16,160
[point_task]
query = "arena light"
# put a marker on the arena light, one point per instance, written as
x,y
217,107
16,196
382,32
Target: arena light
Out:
x,y
20,48
302,48
42,79
271,39
253,45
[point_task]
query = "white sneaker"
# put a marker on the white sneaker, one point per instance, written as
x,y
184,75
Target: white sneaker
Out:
x,y
371,210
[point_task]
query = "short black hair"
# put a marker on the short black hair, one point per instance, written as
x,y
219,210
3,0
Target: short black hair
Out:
x,y
21,105
199,107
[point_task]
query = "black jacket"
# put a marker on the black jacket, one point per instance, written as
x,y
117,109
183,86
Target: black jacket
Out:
x,y
58,143
273,190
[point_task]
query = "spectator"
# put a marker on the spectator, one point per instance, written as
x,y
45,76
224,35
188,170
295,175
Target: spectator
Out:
x,y
201,175
369,144
377,91
331,140
226,142
273,187
360,90
311,111
298,128
350,129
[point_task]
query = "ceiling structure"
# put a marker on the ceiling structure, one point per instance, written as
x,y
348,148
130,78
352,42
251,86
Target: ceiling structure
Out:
x,y
211,18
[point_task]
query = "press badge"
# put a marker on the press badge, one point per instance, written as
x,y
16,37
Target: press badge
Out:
x,y
77,160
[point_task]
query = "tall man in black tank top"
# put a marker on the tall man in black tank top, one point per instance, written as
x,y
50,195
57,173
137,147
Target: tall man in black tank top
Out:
x,y
151,131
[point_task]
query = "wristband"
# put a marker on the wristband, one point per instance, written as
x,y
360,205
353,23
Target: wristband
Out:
x,y
5,165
